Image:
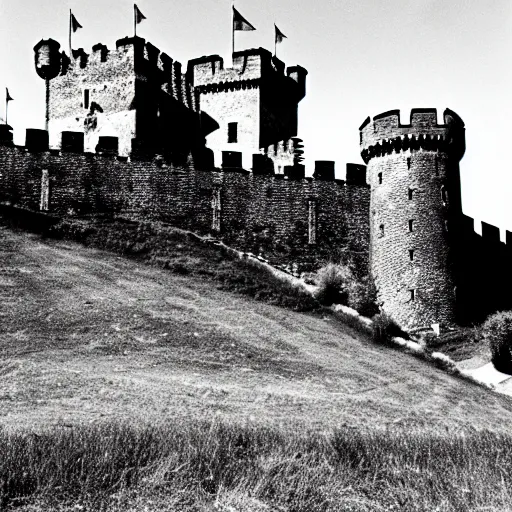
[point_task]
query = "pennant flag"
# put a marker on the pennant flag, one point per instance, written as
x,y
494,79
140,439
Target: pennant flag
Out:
x,y
279,35
74,23
138,15
7,95
239,22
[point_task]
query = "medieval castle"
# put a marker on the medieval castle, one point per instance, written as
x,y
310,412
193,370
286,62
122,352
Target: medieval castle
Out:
x,y
215,149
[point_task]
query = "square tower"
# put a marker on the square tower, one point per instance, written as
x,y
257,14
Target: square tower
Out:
x,y
133,92
252,105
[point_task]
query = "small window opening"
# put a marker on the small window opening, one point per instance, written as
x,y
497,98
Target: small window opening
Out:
x,y
381,230
232,132
444,195
411,194
86,98
409,163
411,254
380,178
411,225
437,166
413,294
446,226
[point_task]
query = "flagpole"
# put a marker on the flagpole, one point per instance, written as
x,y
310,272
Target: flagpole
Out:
x,y
70,50
6,106
134,21
232,29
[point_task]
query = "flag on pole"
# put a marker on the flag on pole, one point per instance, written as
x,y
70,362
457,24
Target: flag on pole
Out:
x,y
239,22
138,15
279,35
7,95
74,23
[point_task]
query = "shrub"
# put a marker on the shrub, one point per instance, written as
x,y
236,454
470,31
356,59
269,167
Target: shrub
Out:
x,y
362,296
385,328
334,281
497,331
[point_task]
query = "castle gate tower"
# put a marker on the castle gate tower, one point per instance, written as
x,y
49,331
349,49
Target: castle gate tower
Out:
x,y
413,172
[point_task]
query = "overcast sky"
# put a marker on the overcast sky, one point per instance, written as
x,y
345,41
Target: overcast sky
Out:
x,y
363,56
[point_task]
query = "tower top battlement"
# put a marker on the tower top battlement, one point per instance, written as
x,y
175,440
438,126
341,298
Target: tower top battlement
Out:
x,y
249,67
147,59
385,134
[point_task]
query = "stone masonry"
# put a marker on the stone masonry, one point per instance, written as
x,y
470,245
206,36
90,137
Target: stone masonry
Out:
x,y
413,171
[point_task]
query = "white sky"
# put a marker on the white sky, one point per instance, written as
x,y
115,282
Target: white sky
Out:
x,y
363,56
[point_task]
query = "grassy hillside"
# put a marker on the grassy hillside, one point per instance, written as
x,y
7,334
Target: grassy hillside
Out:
x,y
279,402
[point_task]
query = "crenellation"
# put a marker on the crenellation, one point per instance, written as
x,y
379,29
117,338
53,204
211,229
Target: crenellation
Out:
x,y
490,233
100,52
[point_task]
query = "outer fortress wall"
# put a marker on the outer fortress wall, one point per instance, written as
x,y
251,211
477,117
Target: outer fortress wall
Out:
x,y
300,222
415,198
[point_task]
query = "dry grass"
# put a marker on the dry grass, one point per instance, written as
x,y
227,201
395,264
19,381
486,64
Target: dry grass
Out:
x,y
307,413
214,466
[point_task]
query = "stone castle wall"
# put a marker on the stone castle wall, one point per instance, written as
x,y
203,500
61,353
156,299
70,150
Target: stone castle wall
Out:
x,y
300,223
255,93
133,91
411,214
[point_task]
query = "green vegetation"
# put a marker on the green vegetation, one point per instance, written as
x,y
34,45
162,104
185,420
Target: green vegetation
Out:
x,y
185,254
384,328
185,467
459,344
338,284
497,331
146,389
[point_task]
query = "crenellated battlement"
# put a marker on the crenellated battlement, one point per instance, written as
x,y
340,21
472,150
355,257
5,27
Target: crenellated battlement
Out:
x,y
131,53
384,134
249,68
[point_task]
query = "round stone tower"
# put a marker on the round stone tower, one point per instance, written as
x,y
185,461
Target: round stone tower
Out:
x,y
47,59
413,172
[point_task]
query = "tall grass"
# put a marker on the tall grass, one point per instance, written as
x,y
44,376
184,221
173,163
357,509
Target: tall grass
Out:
x,y
252,468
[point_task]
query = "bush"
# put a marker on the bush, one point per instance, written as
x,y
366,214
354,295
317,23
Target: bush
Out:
x,y
334,281
338,284
362,296
497,331
385,328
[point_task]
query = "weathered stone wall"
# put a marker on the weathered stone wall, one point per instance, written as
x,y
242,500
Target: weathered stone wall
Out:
x,y
267,215
255,93
411,213
134,91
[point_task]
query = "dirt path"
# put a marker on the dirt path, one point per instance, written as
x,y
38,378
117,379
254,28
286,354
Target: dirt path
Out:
x,y
86,335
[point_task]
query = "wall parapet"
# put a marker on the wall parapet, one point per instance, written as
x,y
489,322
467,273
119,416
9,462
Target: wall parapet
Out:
x,y
384,134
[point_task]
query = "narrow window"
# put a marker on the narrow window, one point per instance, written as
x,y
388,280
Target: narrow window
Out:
x,y
312,221
411,225
413,294
216,210
444,195
381,230
409,163
411,194
380,178
411,254
232,132
437,166
44,204
86,98
446,226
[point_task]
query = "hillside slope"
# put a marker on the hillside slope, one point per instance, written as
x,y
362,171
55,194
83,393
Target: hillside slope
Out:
x,y
86,336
